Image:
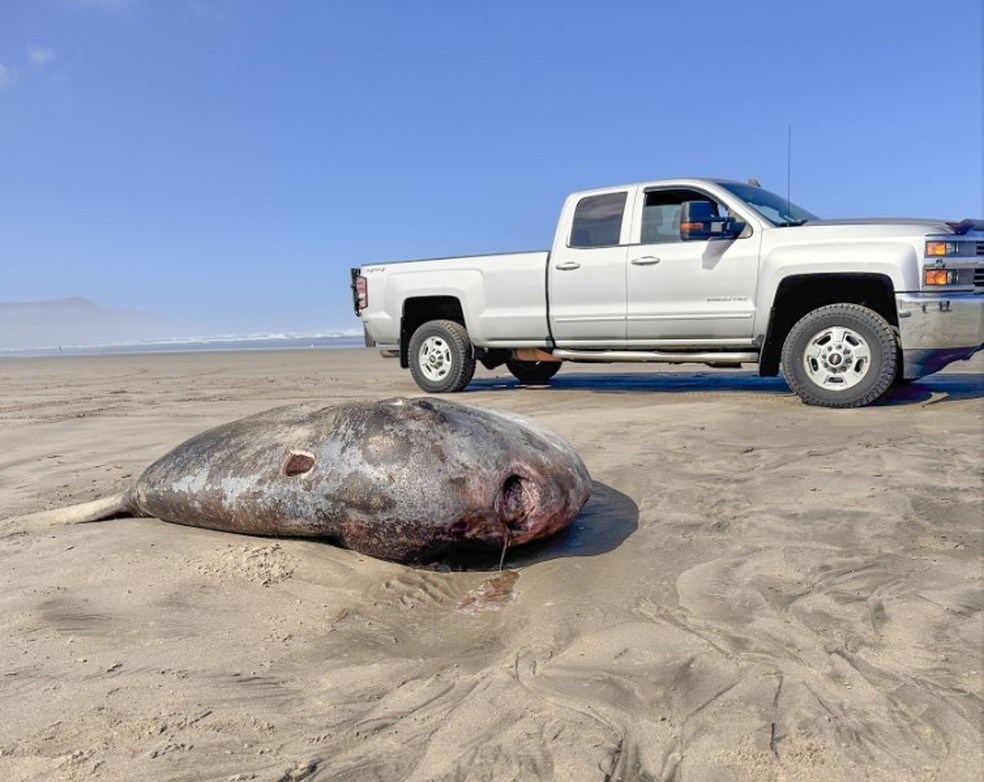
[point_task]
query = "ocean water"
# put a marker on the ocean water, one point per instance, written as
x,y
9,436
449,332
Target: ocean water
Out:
x,y
347,339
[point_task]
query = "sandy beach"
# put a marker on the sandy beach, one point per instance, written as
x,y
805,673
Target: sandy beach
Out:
x,y
757,590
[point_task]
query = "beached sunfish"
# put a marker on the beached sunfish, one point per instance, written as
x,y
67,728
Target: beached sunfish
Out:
x,y
400,479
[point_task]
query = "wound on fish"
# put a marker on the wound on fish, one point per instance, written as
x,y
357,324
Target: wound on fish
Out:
x,y
297,463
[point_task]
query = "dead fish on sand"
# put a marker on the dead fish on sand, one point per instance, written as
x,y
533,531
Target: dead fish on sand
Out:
x,y
400,479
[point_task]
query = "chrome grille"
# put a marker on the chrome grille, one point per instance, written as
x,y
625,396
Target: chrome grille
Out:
x,y
979,277
980,248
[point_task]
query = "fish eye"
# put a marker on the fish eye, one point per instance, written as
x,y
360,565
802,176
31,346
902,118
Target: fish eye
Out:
x,y
297,463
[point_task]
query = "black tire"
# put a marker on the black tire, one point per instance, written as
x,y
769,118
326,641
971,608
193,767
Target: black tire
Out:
x,y
532,371
841,355
441,357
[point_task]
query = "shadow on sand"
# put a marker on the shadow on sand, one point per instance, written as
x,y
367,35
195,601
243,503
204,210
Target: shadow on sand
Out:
x,y
624,382
937,389
947,387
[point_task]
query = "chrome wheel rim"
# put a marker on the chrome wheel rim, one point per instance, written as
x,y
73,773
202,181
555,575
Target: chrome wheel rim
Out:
x,y
434,358
837,358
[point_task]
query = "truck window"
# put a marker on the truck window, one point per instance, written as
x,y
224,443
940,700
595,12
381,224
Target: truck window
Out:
x,y
661,214
598,220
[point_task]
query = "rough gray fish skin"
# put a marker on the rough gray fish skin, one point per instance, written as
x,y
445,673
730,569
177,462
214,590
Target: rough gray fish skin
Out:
x,y
400,479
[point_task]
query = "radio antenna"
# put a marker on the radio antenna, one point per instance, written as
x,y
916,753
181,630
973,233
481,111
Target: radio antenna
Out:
x,y
789,166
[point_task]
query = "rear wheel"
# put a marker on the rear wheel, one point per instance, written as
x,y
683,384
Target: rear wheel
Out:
x,y
841,355
441,357
532,371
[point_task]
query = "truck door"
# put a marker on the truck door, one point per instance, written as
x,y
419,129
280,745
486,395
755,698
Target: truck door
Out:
x,y
687,290
586,275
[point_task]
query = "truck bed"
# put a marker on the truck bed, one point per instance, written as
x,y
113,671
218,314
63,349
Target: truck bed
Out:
x,y
508,291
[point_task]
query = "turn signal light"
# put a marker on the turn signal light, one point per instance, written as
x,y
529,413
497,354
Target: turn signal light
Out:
x,y
938,249
939,276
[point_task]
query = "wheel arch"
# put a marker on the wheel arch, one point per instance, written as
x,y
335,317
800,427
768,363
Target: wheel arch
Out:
x,y
799,294
417,310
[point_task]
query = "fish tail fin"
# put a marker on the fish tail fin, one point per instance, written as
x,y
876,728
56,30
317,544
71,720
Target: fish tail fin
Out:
x,y
96,510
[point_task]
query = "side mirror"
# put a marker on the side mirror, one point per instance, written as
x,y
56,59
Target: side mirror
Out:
x,y
699,221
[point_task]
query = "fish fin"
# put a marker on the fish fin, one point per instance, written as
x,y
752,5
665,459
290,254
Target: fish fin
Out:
x,y
96,510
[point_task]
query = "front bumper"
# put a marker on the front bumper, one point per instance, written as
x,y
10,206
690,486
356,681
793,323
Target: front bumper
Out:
x,y
936,329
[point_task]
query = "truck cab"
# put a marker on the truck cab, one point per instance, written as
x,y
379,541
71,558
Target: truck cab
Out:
x,y
627,271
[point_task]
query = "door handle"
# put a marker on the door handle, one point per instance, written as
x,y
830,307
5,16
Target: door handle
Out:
x,y
567,266
645,260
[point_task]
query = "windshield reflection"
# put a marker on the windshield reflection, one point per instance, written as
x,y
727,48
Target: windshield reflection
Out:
x,y
777,210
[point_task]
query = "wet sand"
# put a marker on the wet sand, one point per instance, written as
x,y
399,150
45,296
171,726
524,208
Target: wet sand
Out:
x,y
757,590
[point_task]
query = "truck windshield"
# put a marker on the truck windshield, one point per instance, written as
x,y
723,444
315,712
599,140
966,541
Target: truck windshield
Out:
x,y
774,208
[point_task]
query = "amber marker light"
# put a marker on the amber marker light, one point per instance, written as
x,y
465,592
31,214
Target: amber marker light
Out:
x,y
939,249
938,276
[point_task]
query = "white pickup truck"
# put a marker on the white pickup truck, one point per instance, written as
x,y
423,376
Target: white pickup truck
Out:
x,y
693,270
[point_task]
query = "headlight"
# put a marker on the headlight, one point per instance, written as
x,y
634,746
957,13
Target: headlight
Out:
x,y
941,249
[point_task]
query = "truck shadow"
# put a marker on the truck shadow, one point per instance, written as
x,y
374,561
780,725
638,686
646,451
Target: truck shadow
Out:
x,y
624,382
935,389
607,520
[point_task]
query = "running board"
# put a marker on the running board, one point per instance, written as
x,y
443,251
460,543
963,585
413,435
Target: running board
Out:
x,y
659,356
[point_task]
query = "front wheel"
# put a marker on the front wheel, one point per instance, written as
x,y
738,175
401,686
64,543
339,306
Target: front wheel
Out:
x,y
441,357
532,371
841,355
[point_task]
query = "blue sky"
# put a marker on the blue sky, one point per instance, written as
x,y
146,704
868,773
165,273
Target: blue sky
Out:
x,y
222,163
